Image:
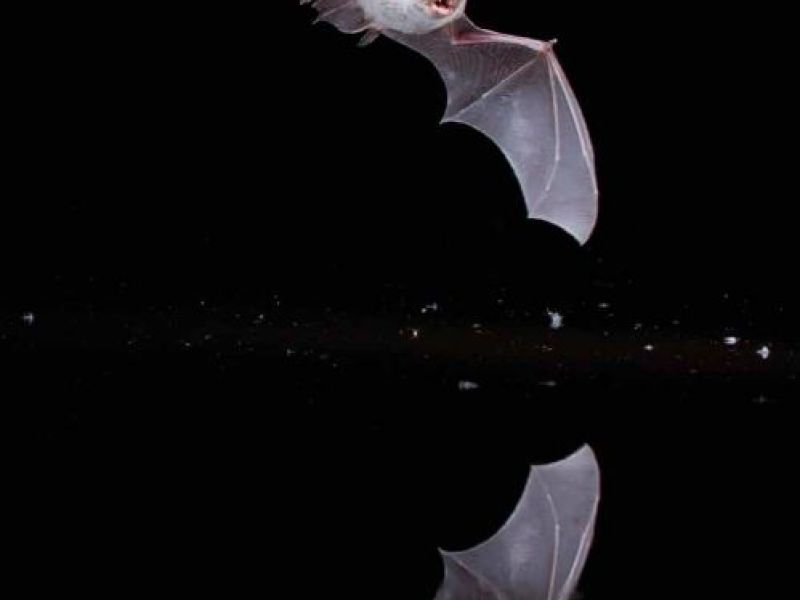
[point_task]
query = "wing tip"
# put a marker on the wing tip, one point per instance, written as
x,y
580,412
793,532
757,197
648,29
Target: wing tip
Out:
x,y
582,456
579,227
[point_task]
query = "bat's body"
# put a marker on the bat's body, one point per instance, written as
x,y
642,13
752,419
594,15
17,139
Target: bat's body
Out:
x,y
540,552
411,16
510,88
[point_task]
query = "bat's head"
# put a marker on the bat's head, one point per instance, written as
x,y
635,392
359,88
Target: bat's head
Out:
x,y
412,16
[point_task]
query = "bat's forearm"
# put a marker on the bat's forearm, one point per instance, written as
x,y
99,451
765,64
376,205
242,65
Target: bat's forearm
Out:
x,y
482,36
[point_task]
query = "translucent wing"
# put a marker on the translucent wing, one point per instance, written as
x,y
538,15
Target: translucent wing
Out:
x,y
540,552
513,90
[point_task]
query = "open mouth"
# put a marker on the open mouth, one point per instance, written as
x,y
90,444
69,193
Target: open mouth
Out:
x,y
443,8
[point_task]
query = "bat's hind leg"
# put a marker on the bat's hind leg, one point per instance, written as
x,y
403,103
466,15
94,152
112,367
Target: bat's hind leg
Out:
x,y
370,36
346,15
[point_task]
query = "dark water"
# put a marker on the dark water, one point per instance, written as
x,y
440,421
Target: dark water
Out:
x,y
197,441
262,324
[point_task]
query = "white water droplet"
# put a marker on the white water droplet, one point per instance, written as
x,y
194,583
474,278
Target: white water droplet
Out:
x,y
432,307
556,319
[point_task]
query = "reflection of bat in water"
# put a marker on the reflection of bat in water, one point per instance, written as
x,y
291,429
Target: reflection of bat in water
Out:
x,y
510,88
540,551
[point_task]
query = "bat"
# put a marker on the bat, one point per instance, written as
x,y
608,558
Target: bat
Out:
x,y
540,552
512,89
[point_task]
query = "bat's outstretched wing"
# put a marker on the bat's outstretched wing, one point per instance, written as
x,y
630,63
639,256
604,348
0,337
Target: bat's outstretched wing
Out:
x,y
539,553
513,90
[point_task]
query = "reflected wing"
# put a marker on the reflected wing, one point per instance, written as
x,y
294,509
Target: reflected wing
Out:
x,y
513,90
540,552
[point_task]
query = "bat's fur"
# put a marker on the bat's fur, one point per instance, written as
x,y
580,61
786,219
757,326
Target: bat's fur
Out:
x,y
405,16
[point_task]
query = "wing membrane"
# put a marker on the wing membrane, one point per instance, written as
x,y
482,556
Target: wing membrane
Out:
x,y
539,553
514,91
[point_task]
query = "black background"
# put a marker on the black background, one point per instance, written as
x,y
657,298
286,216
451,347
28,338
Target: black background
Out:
x,y
226,223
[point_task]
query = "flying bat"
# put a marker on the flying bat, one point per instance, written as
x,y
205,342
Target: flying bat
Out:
x,y
510,88
540,552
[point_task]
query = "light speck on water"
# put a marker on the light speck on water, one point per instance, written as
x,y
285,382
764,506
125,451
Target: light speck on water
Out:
x,y
556,319
467,386
763,352
432,307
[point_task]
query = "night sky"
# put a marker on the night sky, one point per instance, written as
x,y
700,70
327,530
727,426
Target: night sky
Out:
x,y
265,324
